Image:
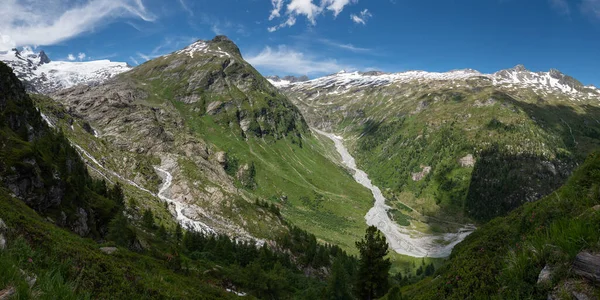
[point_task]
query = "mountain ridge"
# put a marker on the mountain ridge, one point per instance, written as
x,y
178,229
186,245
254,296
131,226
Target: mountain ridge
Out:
x,y
42,75
550,81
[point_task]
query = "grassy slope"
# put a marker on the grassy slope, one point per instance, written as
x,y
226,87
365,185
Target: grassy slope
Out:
x,y
333,205
287,172
70,267
502,259
400,129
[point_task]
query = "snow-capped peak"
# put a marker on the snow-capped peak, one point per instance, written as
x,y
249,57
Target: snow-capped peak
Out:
x,y
551,81
42,75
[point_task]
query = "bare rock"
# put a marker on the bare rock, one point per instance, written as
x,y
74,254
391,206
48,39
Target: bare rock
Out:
x,y
3,226
80,226
2,242
109,250
467,161
587,265
31,280
221,157
425,170
545,275
7,293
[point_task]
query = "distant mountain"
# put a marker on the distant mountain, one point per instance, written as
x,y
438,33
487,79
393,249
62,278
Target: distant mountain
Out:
x,y
544,82
41,75
459,145
278,81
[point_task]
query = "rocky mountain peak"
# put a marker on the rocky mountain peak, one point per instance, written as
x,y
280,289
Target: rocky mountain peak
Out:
x,y
520,68
44,59
42,75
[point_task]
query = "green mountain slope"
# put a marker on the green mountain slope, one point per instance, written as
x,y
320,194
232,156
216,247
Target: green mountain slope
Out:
x,y
504,258
225,134
461,145
65,235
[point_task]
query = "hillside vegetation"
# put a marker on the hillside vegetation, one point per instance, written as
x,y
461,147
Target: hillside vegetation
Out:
x,y
503,259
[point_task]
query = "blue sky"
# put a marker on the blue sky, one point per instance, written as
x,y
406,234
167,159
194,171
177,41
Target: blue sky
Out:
x,y
318,37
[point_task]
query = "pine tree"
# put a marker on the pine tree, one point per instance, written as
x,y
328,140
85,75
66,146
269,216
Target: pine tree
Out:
x,y
162,233
338,287
148,219
178,233
373,271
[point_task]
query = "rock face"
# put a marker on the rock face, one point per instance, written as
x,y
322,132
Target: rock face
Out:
x,y
587,265
39,165
153,119
3,229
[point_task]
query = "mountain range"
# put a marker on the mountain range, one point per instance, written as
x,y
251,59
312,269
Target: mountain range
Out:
x,y
199,140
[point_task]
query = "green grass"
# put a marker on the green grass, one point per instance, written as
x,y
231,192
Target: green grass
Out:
x,y
502,259
69,267
512,139
286,172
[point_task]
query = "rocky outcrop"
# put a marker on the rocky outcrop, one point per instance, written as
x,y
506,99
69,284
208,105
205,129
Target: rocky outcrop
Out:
x,y
108,250
3,230
587,265
467,161
425,170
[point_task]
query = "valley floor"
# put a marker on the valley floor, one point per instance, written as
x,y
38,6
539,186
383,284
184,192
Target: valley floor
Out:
x,y
404,240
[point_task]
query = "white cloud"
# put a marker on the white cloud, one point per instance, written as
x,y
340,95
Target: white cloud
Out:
x,y
47,22
276,12
71,57
284,60
338,5
362,17
81,56
168,45
305,8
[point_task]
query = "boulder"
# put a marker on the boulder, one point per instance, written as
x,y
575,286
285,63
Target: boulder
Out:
x,y
2,242
587,265
467,161
545,275
109,250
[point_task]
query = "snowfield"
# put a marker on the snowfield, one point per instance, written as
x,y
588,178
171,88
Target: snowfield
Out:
x,y
47,76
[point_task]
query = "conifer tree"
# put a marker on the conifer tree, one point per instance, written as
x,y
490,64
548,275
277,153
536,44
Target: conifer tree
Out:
x,y
373,271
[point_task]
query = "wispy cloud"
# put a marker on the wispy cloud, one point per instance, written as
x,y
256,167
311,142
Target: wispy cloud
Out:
x,y
47,22
221,26
591,7
167,46
343,46
361,18
186,7
71,57
135,61
284,60
561,6
304,8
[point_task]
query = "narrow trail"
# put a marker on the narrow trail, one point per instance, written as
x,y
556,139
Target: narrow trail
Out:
x,y
402,239
180,208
